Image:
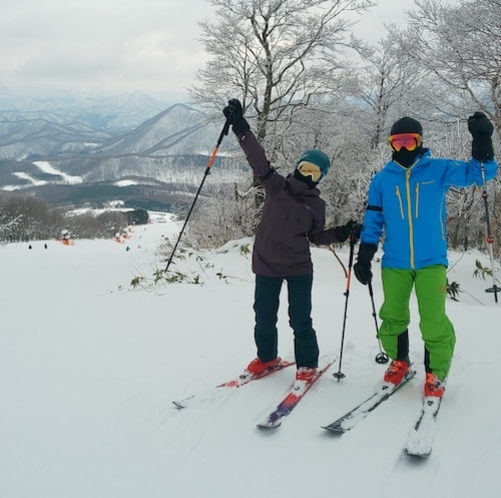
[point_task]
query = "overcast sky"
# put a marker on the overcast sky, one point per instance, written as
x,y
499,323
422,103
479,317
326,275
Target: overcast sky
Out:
x,y
117,46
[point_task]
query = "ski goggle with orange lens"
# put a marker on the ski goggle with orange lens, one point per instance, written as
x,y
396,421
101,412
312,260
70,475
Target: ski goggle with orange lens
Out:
x,y
309,169
411,141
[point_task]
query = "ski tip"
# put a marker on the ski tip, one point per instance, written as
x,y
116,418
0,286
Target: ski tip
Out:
x,y
417,456
334,429
267,426
179,405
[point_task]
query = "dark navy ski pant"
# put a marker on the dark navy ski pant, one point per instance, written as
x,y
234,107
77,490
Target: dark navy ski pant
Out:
x,y
266,304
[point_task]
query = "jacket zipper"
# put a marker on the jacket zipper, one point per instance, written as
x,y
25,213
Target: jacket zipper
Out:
x,y
409,213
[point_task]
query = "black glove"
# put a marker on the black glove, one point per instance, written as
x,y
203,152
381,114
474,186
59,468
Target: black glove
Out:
x,y
481,130
362,267
351,228
234,115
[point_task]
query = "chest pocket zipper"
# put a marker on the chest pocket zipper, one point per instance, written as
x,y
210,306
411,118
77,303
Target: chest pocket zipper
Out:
x,y
417,200
397,192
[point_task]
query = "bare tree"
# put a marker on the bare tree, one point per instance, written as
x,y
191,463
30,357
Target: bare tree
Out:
x,y
461,46
388,85
275,55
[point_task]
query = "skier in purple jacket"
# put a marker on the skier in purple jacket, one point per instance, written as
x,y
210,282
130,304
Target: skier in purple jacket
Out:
x,y
293,217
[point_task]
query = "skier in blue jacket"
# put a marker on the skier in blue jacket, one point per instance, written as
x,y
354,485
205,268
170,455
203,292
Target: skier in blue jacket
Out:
x,y
406,206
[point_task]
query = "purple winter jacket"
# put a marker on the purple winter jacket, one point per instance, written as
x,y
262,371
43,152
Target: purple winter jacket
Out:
x,y
293,216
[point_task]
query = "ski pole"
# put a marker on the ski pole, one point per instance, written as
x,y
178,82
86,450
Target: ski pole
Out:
x,y
490,239
224,132
353,240
381,357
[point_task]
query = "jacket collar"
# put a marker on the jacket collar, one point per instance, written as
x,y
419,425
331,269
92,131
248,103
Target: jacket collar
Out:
x,y
421,160
301,188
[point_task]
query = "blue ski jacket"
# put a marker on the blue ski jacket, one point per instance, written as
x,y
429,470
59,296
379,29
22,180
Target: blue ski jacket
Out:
x,y
407,206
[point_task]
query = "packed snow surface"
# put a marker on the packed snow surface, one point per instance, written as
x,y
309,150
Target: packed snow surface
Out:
x,y
89,368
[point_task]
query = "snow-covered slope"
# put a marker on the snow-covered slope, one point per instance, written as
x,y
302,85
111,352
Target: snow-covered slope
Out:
x,y
89,367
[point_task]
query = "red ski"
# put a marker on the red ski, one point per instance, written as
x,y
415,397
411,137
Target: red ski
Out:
x,y
239,381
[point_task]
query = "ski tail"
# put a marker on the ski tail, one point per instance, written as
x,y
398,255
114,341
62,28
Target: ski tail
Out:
x,y
420,440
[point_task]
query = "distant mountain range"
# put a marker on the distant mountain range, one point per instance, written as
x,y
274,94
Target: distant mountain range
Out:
x,y
87,149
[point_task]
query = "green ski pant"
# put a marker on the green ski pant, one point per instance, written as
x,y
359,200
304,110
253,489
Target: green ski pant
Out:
x,y
436,328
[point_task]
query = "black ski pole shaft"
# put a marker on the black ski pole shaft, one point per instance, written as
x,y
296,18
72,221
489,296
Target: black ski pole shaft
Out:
x,y
381,357
224,132
490,239
353,240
